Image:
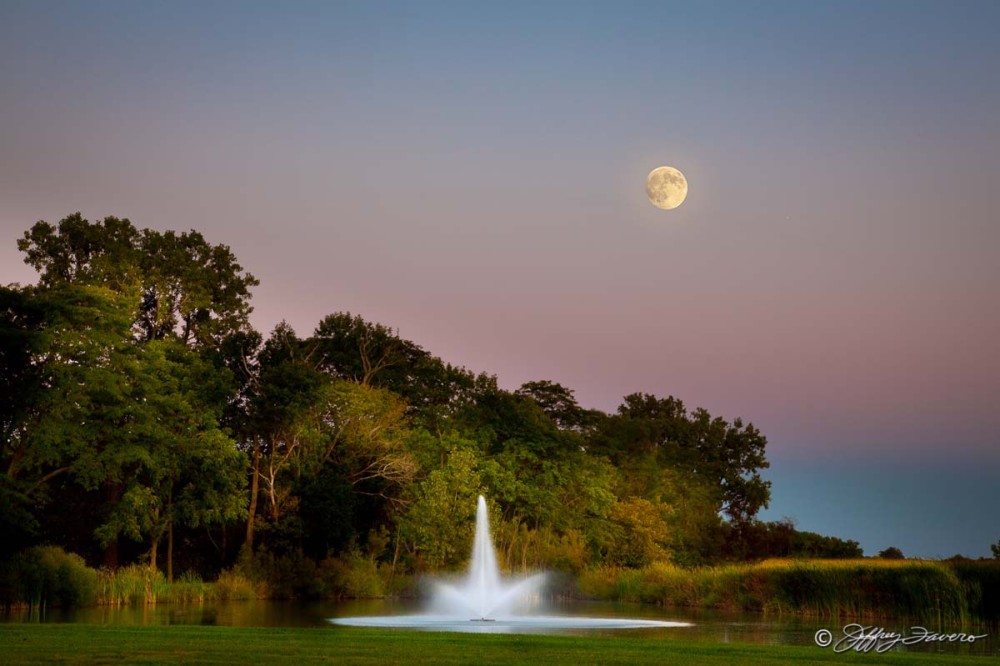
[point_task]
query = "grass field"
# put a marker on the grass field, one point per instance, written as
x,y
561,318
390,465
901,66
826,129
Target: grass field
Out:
x,y
90,644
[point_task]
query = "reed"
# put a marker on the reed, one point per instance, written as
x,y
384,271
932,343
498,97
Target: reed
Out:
x,y
189,588
930,591
47,576
134,585
981,582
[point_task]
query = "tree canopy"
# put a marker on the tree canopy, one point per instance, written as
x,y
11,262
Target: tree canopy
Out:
x,y
132,384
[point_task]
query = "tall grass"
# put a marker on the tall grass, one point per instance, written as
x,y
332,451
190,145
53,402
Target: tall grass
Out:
x,y
134,585
190,588
925,590
937,592
234,586
47,576
981,582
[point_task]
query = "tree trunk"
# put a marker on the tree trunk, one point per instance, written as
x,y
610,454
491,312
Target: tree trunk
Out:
x,y
395,555
272,489
152,553
112,495
111,555
155,536
254,486
170,551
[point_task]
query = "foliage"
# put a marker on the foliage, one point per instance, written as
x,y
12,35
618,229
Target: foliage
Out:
x,y
764,540
132,385
352,575
182,285
639,535
47,576
560,405
439,525
233,586
921,590
891,553
661,433
115,353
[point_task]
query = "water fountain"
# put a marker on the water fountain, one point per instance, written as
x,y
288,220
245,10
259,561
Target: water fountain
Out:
x,y
485,602
484,593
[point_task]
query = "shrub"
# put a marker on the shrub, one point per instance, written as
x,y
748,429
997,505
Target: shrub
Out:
x,y
189,588
352,576
47,576
234,586
288,576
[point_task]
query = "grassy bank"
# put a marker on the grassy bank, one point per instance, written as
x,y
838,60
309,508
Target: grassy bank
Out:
x,y
925,590
31,644
47,576
937,592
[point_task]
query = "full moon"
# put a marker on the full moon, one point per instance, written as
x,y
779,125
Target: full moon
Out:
x,y
666,187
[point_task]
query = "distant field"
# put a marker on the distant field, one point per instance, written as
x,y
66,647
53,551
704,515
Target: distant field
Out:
x,y
88,644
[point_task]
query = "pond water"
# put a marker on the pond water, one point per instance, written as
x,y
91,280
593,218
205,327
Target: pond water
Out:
x,y
707,625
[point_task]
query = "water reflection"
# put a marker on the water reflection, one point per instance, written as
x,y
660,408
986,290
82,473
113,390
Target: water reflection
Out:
x,y
711,626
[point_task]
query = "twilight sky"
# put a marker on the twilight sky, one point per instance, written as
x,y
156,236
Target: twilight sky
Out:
x,y
473,175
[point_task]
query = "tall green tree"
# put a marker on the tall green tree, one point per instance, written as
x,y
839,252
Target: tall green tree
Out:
x,y
158,287
139,418
56,355
559,403
301,420
649,433
175,465
439,525
184,287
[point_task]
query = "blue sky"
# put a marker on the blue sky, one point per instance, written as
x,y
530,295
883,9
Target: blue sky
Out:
x,y
472,174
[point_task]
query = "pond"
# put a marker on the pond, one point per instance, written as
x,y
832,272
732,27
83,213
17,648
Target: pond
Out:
x,y
711,626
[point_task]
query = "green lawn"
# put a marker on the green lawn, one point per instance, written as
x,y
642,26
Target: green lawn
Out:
x,y
90,644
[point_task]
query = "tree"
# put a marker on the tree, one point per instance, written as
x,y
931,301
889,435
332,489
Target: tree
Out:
x,y
348,347
508,420
22,383
147,289
891,553
300,420
649,433
642,535
352,348
176,466
439,525
105,410
62,345
559,404
995,547
183,286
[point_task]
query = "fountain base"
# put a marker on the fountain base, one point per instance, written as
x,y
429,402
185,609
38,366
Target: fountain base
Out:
x,y
517,624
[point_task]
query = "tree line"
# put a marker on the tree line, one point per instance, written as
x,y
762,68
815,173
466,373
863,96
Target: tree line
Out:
x,y
142,418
